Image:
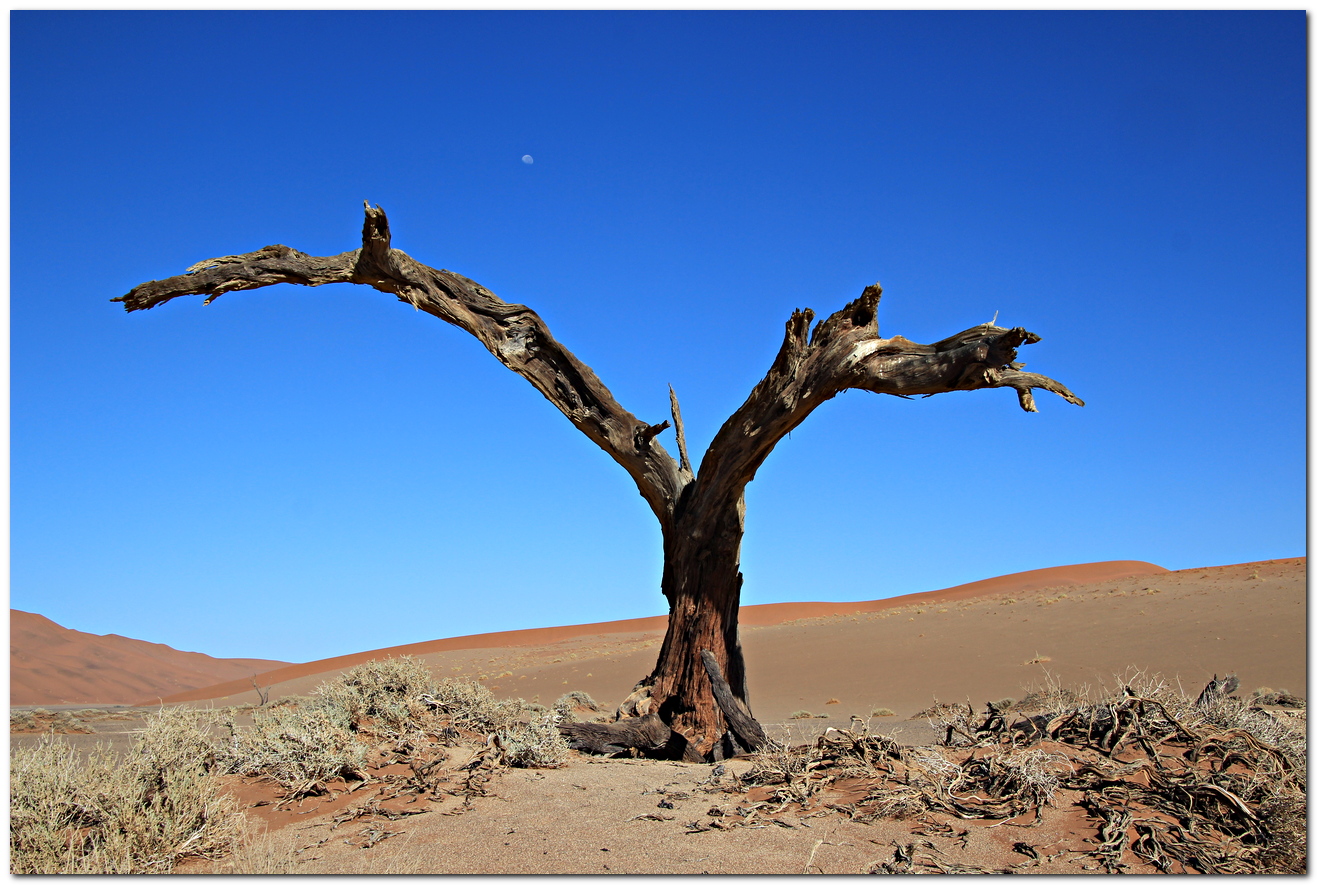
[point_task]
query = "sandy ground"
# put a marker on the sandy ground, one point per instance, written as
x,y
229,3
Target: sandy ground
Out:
x,y
603,816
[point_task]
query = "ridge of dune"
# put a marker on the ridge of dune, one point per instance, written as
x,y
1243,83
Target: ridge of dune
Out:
x,y
51,664
766,614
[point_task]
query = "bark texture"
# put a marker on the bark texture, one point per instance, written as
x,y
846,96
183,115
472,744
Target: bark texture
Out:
x,y
697,688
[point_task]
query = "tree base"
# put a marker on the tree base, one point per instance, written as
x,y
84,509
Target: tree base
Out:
x,y
640,732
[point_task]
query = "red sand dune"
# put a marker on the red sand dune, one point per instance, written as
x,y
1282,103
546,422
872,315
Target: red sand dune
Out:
x,y
751,616
1058,576
50,664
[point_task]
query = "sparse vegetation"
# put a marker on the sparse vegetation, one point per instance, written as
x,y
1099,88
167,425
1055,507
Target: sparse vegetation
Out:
x,y
537,744
63,722
300,746
567,705
113,814
104,813
382,693
1222,785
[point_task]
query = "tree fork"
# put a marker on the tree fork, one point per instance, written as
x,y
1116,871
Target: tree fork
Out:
x,y
699,705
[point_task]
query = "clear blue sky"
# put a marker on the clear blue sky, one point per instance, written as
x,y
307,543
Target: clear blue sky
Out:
x,y
297,473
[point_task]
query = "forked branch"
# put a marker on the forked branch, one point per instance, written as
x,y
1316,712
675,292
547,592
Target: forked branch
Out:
x,y
845,351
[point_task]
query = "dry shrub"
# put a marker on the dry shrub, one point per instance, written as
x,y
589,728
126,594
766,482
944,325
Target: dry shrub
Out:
x,y
537,744
383,693
1213,785
40,719
473,706
302,747
109,813
579,699
1050,696
882,711
952,718
567,706
258,854
67,723
777,764
1030,774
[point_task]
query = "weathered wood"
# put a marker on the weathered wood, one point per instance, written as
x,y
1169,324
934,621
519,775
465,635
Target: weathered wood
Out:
x,y
1216,689
701,513
647,735
748,732
513,333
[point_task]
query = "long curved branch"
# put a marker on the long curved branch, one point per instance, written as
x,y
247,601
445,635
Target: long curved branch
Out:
x,y
513,333
845,352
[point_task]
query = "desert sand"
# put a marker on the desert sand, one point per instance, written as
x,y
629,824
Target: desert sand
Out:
x,y
52,665
979,642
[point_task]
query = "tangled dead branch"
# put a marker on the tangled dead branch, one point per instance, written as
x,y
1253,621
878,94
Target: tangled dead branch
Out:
x,y
1170,784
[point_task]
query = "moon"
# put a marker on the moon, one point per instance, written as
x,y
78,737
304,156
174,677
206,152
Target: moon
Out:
x,y
528,159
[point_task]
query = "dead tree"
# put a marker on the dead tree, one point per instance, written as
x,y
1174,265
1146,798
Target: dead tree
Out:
x,y
703,705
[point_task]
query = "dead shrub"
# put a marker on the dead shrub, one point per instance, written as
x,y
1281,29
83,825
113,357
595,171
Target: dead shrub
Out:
x,y
302,747
536,744
381,693
1213,785
579,699
570,706
471,705
111,813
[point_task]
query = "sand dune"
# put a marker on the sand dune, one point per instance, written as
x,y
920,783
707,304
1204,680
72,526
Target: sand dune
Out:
x,y
297,678
50,664
1079,623
982,641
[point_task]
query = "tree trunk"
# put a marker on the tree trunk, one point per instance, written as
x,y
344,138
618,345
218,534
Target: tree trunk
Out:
x,y
697,707
702,581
